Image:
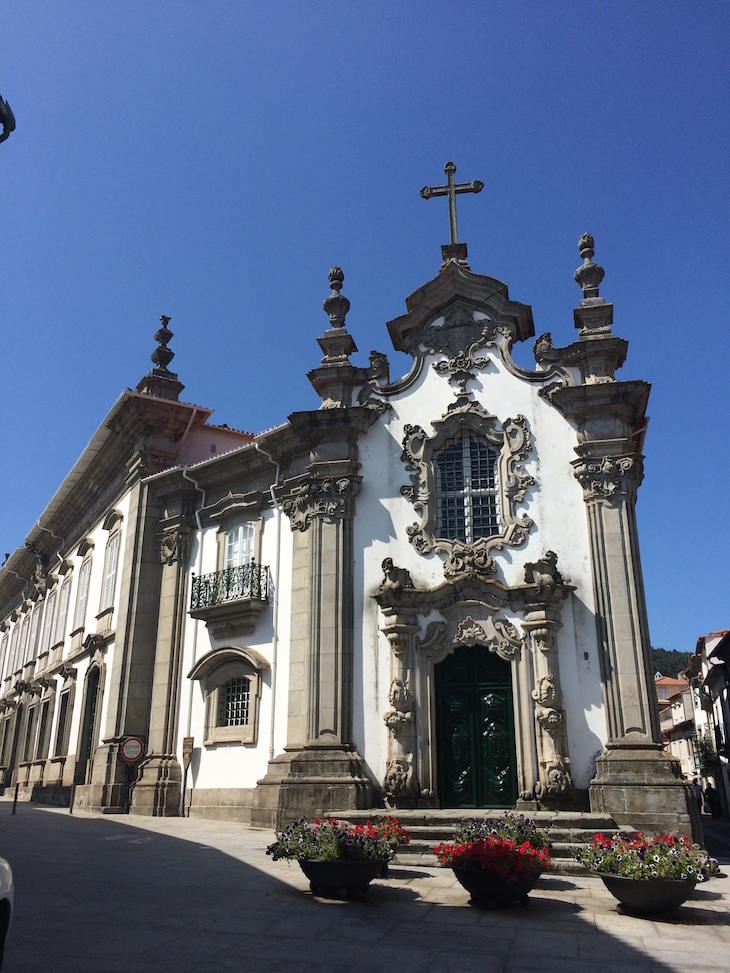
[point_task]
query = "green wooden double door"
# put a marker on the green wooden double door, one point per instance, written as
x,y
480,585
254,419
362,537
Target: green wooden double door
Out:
x,y
475,730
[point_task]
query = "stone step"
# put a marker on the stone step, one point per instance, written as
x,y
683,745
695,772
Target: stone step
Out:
x,y
567,830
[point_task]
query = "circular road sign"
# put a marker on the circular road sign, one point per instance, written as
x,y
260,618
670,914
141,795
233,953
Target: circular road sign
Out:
x,y
132,749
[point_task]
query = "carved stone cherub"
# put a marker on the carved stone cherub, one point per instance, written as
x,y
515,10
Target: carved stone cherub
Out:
x,y
544,573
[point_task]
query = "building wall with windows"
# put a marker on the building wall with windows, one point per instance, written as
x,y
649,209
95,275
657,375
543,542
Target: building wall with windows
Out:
x,y
72,613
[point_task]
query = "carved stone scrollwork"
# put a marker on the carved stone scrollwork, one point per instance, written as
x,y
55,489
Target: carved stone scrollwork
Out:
x,y
429,642
513,441
400,787
498,635
175,545
604,477
327,497
469,561
542,621
401,699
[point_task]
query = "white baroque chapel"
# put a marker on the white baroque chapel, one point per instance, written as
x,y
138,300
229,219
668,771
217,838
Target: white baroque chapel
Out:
x,y
425,593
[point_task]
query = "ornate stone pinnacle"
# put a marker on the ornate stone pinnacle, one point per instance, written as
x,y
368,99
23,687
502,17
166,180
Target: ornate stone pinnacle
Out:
x,y
162,356
336,305
589,275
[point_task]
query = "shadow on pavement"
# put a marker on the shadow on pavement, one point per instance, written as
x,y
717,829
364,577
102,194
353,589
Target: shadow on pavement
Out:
x,y
96,894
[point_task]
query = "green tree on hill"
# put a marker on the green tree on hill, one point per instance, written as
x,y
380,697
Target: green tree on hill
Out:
x,y
670,662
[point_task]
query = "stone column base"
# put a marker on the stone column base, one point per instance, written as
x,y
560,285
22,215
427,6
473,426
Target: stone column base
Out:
x,y
312,782
107,789
640,787
158,787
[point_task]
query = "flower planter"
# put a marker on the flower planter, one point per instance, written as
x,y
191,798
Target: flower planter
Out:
x,y
484,885
648,896
340,877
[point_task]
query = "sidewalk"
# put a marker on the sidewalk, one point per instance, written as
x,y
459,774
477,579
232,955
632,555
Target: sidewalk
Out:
x,y
102,894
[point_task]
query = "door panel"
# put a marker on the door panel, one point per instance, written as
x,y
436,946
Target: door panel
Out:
x,y
475,731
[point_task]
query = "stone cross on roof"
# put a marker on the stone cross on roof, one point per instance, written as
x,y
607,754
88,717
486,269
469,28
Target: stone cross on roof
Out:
x,y
451,190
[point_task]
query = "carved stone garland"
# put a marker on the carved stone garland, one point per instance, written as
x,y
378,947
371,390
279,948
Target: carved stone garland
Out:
x,y
419,452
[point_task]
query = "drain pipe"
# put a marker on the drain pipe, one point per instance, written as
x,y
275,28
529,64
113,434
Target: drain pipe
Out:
x,y
275,611
196,623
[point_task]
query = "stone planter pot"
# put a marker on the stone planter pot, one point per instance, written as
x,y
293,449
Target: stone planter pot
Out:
x,y
648,896
485,886
340,878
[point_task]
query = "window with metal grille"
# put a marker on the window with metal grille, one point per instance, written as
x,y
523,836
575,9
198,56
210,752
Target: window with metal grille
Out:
x,y
468,489
233,700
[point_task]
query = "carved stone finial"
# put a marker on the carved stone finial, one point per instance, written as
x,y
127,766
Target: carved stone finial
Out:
x,y
589,275
336,305
162,356
7,119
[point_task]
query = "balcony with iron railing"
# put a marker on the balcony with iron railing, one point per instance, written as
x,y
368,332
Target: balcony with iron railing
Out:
x,y
230,601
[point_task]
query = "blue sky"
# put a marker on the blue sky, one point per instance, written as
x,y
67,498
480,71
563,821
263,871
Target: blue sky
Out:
x,y
211,161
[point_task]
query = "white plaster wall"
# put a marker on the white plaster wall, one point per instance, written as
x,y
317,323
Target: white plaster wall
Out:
x,y
240,765
554,503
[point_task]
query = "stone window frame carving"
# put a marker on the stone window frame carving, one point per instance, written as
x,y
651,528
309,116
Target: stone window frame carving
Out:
x,y
513,441
214,670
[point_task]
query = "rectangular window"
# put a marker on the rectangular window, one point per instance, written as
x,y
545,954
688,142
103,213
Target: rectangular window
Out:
x,y
7,734
62,611
467,489
83,595
239,546
61,736
35,631
14,639
233,702
23,641
110,572
4,654
44,731
29,733
48,622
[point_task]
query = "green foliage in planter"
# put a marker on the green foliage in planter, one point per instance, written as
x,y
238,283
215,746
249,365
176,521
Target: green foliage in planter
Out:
x,y
334,840
667,856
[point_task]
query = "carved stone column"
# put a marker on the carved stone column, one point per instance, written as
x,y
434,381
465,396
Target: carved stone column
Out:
x,y
157,790
320,770
401,787
555,785
635,782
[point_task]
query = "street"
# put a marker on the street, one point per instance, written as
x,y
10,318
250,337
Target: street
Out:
x,y
103,894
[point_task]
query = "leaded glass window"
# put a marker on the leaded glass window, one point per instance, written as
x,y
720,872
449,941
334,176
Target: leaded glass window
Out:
x,y
468,489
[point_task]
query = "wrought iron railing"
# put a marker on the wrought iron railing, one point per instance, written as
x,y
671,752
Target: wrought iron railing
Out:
x,y
247,581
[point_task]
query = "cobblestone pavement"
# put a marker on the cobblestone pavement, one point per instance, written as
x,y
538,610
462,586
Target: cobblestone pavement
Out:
x,y
101,894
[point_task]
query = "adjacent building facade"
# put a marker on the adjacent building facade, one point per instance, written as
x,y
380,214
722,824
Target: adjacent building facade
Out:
x,y
425,593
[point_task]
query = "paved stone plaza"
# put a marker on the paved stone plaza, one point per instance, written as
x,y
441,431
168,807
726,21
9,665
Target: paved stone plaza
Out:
x,y
103,894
